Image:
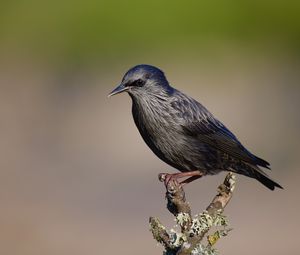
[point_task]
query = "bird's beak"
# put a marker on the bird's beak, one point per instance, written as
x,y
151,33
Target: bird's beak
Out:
x,y
121,88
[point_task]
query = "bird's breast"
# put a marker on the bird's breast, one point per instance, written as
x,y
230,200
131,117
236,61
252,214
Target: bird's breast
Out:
x,y
163,133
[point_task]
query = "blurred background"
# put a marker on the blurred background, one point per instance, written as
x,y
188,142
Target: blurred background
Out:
x,y
76,177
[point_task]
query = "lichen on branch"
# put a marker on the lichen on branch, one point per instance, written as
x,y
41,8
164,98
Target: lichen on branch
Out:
x,y
193,230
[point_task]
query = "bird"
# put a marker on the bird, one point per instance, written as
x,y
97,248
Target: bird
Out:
x,y
183,133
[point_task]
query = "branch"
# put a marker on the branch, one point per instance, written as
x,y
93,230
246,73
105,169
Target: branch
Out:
x,y
193,230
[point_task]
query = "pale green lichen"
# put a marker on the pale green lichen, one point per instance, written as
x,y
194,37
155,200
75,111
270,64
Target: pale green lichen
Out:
x,y
183,219
204,221
191,237
204,250
176,239
220,220
201,223
156,228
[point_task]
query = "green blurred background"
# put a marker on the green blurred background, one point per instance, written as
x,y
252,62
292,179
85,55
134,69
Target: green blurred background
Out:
x,y
81,32
76,177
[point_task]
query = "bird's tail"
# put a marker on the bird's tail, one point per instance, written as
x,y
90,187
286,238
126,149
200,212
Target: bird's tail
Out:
x,y
256,173
265,180
262,162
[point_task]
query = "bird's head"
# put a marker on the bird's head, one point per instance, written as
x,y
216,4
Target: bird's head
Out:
x,y
143,80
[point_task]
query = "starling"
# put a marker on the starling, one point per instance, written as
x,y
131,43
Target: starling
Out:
x,y
183,133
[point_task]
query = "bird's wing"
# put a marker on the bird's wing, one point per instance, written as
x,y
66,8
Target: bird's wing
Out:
x,y
197,121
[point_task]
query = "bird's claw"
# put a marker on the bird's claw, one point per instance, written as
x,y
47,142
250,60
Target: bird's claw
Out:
x,y
169,179
162,177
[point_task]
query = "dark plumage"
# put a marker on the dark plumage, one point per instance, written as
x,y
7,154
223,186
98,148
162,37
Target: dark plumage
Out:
x,y
182,132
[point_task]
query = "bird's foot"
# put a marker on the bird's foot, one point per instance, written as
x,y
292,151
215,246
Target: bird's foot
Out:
x,y
173,178
168,179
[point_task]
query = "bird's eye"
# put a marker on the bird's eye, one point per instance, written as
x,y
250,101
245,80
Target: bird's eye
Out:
x,y
139,83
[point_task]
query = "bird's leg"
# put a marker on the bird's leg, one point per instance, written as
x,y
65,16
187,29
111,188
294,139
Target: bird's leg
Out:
x,y
190,179
166,178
